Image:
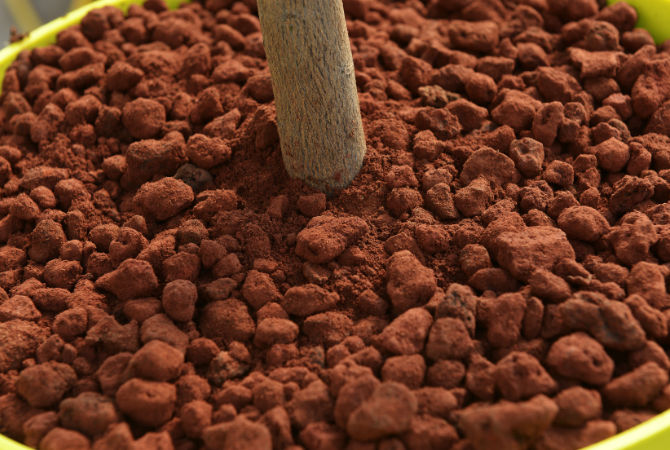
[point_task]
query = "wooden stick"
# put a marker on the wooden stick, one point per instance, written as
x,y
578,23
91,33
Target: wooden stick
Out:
x,y
312,69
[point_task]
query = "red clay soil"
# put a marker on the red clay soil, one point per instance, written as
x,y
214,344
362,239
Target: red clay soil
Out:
x,y
495,277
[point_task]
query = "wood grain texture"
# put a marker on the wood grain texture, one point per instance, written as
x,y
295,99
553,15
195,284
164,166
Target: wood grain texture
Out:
x,y
312,69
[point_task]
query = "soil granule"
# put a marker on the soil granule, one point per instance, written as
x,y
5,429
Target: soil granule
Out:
x,y
495,277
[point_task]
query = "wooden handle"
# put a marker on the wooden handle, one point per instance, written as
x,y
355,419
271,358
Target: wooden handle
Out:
x,y
312,69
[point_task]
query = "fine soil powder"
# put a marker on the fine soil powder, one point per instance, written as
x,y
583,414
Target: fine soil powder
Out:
x,y
495,277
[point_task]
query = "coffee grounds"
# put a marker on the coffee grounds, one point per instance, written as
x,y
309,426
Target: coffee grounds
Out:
x,y
494,277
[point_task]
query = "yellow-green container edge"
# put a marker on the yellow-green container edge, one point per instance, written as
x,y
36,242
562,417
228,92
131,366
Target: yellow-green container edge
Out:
x,y
46,34
654,15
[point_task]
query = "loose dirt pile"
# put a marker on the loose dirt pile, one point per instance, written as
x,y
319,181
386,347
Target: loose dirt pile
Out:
x,y
494,278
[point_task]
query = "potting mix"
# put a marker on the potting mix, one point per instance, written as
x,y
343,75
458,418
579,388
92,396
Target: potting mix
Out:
x,y
495,277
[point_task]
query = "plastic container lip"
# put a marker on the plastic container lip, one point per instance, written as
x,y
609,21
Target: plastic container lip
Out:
x,y
46,34
8,444
654,16
654,434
